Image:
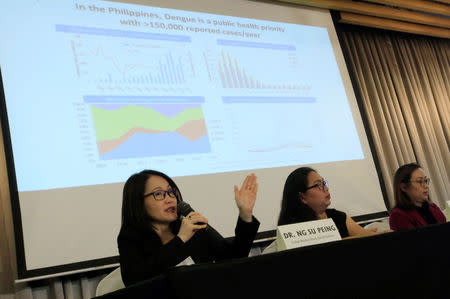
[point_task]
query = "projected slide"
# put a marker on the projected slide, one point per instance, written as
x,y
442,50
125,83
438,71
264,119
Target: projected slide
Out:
x,y
189,93
136,130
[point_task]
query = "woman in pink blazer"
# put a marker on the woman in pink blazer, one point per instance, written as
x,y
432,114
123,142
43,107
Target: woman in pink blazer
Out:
x,y
412,205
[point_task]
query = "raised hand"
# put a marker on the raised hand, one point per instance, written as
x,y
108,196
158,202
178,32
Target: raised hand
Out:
x,y
246,197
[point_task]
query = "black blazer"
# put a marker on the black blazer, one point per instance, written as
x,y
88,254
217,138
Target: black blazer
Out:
x,y
143,256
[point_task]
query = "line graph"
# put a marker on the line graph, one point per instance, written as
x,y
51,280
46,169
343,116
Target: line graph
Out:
x,y
120,65
287,131
111,60
164,71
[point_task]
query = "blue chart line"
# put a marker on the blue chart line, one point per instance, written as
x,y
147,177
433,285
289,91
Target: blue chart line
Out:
x,y
91,99
121,33
235,43
267,100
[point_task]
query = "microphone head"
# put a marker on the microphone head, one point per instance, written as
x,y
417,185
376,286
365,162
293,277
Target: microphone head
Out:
x,y
183,208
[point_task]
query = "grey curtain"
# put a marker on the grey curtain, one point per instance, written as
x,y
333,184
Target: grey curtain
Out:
x,y
404,85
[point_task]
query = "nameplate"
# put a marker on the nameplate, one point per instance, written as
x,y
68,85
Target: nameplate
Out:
x,y
306,233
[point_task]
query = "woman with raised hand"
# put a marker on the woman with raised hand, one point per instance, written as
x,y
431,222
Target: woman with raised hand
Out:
x,y
153,237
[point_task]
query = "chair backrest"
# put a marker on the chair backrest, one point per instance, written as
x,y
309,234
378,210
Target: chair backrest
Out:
x,y
379,226
272,247
110,283
446,211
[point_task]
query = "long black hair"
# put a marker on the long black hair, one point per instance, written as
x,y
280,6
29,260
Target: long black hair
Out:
x,y
133,207
293,210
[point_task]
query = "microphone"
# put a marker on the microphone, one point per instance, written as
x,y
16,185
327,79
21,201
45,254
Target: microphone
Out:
x,y
183,209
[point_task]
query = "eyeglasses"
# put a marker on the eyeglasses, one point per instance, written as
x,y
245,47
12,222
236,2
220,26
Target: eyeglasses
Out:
x,y
424,182
320,185
161,195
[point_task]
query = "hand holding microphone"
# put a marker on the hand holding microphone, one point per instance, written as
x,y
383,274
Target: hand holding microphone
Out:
x,y
191,221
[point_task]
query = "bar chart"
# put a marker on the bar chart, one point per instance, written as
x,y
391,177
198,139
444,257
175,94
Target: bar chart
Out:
x,y
242,65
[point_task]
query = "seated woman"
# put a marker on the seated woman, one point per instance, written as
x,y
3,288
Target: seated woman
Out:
x,y
306,198
412,206
153,237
